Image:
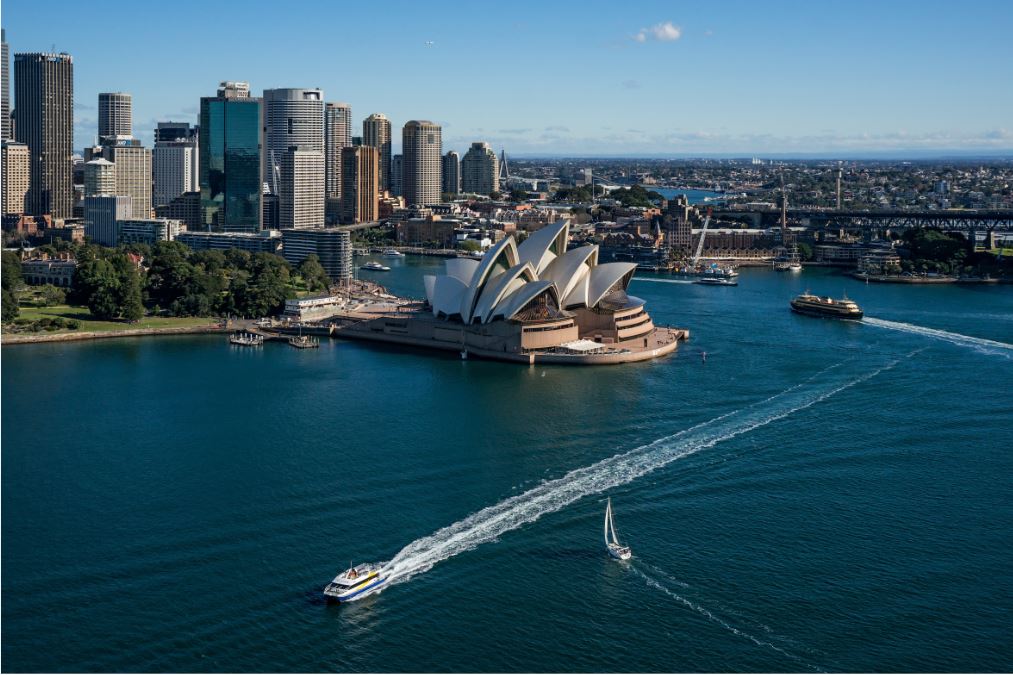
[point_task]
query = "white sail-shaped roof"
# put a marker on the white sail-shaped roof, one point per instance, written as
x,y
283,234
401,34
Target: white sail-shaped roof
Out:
x,y
570,273
499,259
500,286
545,245
462,268
447,294
603,277
519,299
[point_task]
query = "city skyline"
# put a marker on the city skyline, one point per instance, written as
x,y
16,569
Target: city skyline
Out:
x,y
651,80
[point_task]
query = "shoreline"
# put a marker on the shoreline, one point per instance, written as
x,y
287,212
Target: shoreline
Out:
x,y
36,338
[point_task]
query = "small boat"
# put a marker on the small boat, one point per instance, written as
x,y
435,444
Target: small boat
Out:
x,y
716,281
304,342
615,549
392,253
354,582
790,262
374,266
814,305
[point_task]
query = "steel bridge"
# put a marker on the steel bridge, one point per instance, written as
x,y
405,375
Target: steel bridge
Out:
x,y
881,219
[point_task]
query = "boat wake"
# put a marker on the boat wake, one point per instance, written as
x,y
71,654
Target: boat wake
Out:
x,y
664,281
654,583
982,345
488,524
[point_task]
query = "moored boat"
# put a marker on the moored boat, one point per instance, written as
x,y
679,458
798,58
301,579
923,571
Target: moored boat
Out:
x,y
392,253
815,305
354,582
374,266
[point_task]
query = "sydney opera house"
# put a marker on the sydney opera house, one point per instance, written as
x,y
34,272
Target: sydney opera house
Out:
x,y
533,302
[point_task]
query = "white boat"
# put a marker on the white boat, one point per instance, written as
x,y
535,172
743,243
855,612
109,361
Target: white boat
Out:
x,y
374,266
789,262
354,582
391,253
615,549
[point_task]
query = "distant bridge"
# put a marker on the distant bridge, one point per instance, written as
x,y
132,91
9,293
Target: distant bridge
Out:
x,y
882,219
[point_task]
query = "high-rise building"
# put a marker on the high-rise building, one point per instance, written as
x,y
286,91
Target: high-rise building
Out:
x,y
301,190
292,117
185,208
360,191
337,135
132,167
451,173
397,175
376,134
44,91
5,88
422,148
480,170
99,178
101,214
115,114
175,131
175,169
333,246
15,177
230,159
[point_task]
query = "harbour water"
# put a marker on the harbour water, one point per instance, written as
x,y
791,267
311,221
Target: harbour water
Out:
x,y
814,495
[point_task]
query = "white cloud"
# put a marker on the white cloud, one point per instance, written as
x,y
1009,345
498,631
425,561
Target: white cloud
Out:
x,y
663,32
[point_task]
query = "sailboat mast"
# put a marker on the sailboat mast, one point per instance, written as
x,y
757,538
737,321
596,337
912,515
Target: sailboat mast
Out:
x,y
608,519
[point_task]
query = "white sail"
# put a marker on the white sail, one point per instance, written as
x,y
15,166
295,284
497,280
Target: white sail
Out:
x,y
608,519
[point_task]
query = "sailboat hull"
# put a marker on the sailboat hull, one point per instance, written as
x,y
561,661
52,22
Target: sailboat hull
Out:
x,y
620,552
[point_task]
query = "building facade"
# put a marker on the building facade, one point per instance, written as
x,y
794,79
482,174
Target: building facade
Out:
x,y
361,170
332,245
132,167
451,180
148,230
292,117
44,91
376,134
101,214
480,170
185,208
397,175
99,178
229,162
15,171
422,148
115,114
5,88
267,241
301,188
337,135
174,166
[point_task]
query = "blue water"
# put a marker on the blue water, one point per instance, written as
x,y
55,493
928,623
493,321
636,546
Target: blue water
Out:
x,y
816,495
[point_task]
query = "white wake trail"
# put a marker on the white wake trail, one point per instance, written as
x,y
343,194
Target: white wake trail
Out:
x,y
664,281
654,583
980,344
489,523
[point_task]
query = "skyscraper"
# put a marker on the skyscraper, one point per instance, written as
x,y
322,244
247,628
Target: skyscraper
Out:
x,y
115,114
175,163
15,177
376,134
397,175
337,135
422,150
301,189
451,183
132,169
360,190
294,118
44,91
230,159
5,88
291,117
480,170
99,178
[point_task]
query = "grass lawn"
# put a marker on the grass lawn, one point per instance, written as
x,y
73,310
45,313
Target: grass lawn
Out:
x,y
88,324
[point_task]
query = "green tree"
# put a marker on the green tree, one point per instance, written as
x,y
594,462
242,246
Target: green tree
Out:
x,y
313,273
50,295
10,271
131,306
10,308
805,251
469,245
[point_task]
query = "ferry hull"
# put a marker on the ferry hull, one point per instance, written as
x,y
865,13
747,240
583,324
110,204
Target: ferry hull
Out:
x,y
357,593
826,314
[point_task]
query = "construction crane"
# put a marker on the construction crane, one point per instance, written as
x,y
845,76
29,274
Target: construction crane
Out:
x,y
703,234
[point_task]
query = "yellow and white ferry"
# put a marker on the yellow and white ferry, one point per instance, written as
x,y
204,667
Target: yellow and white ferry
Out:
x,y
355,581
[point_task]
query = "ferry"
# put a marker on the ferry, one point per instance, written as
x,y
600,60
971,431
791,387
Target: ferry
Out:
x,y
354,582
374,267
392,253
716,281
814,305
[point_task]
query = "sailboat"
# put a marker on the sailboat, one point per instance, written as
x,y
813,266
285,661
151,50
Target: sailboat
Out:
x,y
615,549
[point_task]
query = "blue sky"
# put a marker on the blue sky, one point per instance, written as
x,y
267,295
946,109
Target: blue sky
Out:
x,y
575,78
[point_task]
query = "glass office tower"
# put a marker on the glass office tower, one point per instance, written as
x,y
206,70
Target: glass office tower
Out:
x,y
230,172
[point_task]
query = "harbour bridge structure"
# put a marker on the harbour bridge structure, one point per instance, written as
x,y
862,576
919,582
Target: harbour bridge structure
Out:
x,y
964,220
